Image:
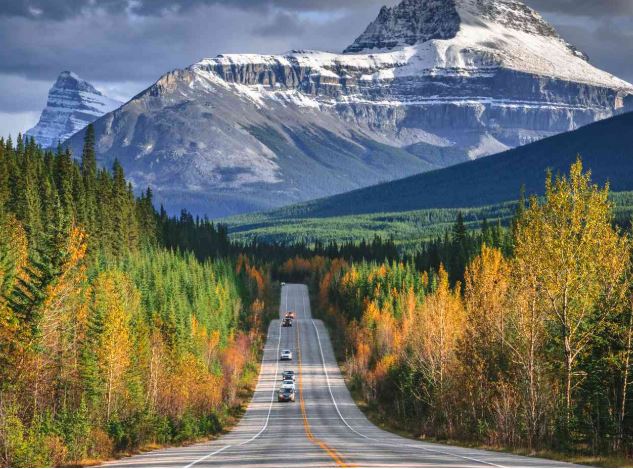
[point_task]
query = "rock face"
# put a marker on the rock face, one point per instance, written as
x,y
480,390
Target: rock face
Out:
x,y
72,104
429,84
410,22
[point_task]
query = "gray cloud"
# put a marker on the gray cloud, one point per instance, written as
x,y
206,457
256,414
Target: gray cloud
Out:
x,y
119,47
608,43
25,95
60,10
591,8
283,24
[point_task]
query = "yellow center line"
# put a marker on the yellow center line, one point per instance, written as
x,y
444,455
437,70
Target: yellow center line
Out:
x,y
338,459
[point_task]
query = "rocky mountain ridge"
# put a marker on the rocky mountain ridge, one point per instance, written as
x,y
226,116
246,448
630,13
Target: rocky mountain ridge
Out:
x,y
429,84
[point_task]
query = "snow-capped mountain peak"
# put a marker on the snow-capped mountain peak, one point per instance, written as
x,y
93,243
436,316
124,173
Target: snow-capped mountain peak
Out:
x,y
473,36
72,104
414,21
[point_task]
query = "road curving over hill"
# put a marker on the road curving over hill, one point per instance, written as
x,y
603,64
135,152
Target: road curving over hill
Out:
x,y
324,427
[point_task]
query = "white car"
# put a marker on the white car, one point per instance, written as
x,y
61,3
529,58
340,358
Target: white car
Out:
x,y
288,383
285,355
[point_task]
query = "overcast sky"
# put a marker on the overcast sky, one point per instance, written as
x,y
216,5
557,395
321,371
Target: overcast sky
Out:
x,y
123,46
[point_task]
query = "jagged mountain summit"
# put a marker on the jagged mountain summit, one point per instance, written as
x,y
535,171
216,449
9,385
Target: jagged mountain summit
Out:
x,y
415,21
429,84
72,104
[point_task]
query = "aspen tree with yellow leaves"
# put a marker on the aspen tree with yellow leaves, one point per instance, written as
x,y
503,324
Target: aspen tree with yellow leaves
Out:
x,y
577,260
115,301
433,343
534,353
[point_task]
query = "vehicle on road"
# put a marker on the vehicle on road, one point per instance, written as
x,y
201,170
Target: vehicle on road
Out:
x,y
288,374
286,355
290,314
283,284
286,393
288,382
287,322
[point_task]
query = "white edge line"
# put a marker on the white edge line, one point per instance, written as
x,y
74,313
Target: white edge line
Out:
x,y
270,407
327,379
207,456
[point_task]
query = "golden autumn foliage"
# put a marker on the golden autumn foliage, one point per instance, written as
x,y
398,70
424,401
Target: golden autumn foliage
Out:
x,y
432,344
534,352
577,260
115,302
148,346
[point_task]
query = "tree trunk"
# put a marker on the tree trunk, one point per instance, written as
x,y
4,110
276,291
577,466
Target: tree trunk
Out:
x,y
568,360
625,383
532,390
568,381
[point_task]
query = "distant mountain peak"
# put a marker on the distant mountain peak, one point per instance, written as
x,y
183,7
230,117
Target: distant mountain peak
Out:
x,y
70,80
72,104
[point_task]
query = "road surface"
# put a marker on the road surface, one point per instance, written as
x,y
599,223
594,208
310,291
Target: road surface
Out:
x,y
323,427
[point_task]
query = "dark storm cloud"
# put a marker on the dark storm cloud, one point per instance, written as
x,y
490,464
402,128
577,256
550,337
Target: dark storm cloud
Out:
x,y
116,46
60,10
590,8
64,9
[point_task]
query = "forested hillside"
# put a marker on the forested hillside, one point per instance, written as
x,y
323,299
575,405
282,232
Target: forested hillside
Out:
x,y
604,146
526,344
407,229
109,341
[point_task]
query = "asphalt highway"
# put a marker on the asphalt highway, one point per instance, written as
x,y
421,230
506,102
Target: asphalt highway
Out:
x,y
323,427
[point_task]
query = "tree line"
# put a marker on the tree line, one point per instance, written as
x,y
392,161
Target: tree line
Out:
x,y
112,334
529,346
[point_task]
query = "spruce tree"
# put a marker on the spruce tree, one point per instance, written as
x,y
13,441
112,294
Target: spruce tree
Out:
x,y
89,173
5,191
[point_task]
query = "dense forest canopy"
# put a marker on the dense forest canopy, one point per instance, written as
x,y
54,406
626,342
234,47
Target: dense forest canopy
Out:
x,y
112,335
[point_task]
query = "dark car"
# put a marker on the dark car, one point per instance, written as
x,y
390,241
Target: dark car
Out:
x,y
289,374
286,393
287,322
